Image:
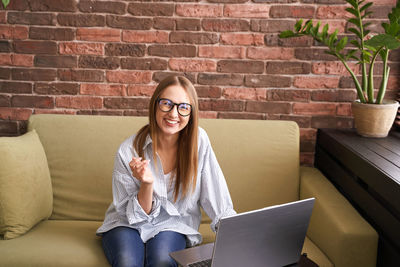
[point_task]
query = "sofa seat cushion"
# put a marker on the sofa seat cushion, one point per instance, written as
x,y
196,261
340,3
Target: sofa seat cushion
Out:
x,y
309,247
55,243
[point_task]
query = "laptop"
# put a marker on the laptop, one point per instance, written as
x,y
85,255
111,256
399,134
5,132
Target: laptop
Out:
x,y
272,236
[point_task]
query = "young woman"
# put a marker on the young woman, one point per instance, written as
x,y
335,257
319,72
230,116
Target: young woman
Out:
x,y
162,175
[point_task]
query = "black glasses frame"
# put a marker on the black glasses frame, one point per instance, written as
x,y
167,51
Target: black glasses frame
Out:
x,y
173,105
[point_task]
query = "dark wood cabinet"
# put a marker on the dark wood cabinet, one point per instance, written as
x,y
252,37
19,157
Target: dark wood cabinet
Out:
x,y
367,172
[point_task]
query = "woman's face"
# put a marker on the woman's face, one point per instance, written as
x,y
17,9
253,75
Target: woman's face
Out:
x,y
171,122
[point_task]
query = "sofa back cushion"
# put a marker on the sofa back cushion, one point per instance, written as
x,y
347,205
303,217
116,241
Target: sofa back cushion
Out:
x,y
260,160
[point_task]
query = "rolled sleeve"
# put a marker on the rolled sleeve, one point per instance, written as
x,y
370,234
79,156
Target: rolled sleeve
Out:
x,y
125,189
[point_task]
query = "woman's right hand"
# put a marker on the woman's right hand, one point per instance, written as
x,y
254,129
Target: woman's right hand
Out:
x,y
141,170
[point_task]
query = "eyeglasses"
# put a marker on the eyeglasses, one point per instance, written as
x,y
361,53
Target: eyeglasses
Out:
x,y
166,105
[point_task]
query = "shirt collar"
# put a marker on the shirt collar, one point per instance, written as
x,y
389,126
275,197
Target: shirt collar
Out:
x,y
148,141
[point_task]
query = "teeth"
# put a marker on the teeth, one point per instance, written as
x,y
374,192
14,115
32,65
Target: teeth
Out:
x,y
172,122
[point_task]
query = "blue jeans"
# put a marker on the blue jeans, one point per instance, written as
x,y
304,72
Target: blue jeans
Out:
x,y
123,247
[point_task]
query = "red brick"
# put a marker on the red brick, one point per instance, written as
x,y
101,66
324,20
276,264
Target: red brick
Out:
x,y
333,12
308,134
8,128
187,24
161,75
22,60
35,47
193,37
81,48
145,36
385,2
288,95
130,23
220,79
16,87
268,107
54,111
99,62
172,50
288,67
81,75
240,66
195,65
59,34
208,91
98,34
145,63
17,5
126,103
225,25
34,74
15,113
121,49
208,114
334,68
344,109
102,7
141,90
57,88
13,32
5,60
222,51
136,113
81,102
102,89
81,20
51,5
245,93
247,11
55,61
32,101
31,18
313,54
316,82
221,105
307,159
5,73
128,77
285,11
196,10
3,17
267,81
271,25
274,53
151,9
161,23
314,108
324,95
242,39
4,101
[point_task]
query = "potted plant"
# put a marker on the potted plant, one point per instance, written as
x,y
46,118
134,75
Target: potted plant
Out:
x,y
373,115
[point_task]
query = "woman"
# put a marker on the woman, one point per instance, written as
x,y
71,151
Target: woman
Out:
x,y
162,175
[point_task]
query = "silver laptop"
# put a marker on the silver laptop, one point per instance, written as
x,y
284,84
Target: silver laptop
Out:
x,y
272,236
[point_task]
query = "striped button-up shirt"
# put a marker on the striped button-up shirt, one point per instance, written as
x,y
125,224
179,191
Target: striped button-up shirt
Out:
x,y
183,216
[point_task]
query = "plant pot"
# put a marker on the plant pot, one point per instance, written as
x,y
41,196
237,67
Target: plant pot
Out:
x,y
374,120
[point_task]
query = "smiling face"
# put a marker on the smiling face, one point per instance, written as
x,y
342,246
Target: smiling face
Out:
x,y
171,123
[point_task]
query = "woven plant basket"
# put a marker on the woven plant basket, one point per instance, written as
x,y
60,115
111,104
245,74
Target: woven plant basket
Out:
x,y
374,120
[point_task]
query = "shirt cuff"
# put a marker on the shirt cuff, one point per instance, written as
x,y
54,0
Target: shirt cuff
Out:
x,y
136,214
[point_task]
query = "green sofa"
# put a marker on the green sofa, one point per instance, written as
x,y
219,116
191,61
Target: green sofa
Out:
x,y
260,160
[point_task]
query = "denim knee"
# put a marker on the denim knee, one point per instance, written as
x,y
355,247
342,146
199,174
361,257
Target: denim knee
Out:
x,y
125,260
162,262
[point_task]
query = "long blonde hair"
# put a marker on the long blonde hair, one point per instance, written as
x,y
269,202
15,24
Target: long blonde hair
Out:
x,y
187,155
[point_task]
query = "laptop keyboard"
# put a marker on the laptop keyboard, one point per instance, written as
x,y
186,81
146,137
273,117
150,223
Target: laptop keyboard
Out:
x,y
205,263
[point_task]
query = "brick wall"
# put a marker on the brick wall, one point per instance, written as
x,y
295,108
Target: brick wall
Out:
x,y
106,57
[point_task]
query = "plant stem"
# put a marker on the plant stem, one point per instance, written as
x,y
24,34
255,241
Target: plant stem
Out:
x,y
358,86
385,77
363,65
371,77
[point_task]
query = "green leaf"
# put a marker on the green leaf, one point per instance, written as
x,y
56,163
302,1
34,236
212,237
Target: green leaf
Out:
x,y
341,44
355,43
325,31
352,11
386,40
350,54
333,38
356,32
5,3
353,3
298,25
355,22
366,14
287,34
366,6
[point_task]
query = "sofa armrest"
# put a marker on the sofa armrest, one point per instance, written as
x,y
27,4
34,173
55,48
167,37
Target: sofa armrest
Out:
x,y
335,226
